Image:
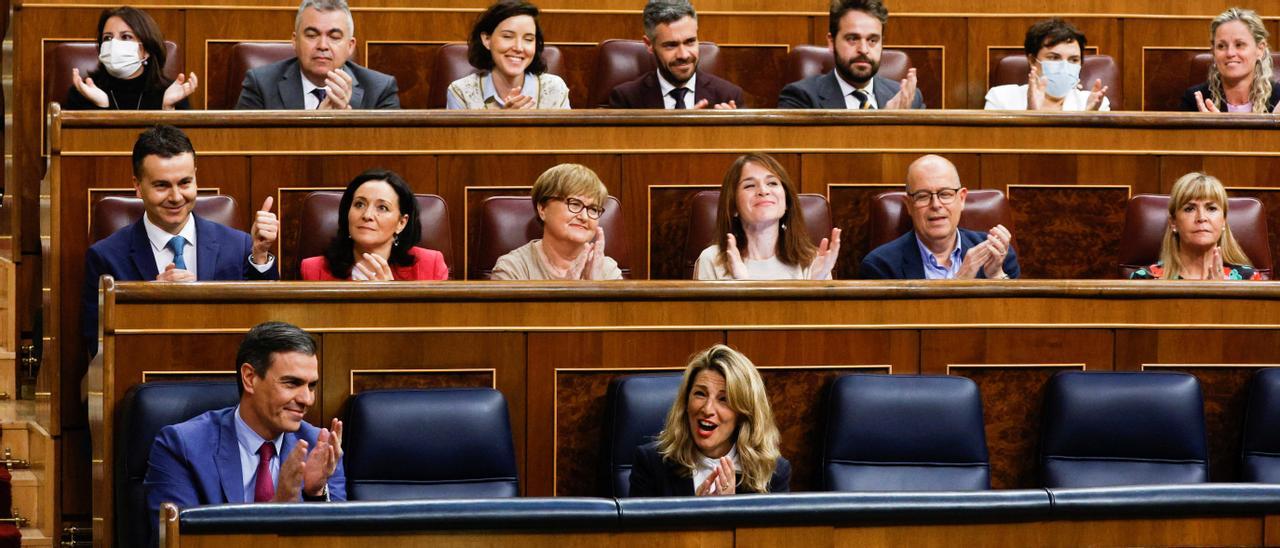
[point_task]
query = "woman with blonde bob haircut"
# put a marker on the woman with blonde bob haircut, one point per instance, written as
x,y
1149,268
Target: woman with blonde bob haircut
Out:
x,y
569,200
719,437
1240,74
1198,244
760,229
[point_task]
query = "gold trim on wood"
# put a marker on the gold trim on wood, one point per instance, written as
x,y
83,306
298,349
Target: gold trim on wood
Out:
x,y
1210,365
1079,366
351,375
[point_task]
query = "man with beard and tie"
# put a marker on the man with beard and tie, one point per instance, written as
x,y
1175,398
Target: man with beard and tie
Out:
x,y
671,35
856,37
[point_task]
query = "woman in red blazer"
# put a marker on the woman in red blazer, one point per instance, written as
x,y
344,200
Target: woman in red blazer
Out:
x,y
377,230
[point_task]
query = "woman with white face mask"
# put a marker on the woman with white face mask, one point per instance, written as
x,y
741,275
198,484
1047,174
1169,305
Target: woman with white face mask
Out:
x,y
1055,50
130,73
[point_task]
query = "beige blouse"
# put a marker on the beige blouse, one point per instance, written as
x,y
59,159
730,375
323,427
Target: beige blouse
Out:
x,y
468,92
527,262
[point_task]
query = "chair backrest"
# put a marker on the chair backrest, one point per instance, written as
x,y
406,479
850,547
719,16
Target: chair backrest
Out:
x,y
904,433
805,61
144,411
1013,69
1147,216
1261,447
451,64
320,224
419,444
84,56
636,412
1123,428
702,223
983,209
508,222
246,56
113,213
620,61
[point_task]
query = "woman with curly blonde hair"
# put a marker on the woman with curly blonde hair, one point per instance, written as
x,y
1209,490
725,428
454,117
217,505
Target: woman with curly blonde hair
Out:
x,y
719,437
1240,74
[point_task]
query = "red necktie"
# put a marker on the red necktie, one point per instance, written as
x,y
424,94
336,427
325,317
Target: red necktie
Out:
x,y
263,488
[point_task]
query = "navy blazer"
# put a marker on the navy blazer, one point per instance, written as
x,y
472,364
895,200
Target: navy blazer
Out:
x,y
198,462
823,91
651,476
1189,98
278,86
900,259
646,92
222,254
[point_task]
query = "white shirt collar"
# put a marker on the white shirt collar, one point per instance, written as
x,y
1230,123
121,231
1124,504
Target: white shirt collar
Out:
x,y
702,469
666,87
160,238
846,88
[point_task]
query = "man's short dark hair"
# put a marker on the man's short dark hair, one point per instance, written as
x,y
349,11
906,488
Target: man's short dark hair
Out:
x,y
1051,32
164,141
480,57
873,8
268,338
665,12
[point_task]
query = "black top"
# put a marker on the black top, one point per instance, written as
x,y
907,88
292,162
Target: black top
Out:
x,y
122,95
1189,98
651,476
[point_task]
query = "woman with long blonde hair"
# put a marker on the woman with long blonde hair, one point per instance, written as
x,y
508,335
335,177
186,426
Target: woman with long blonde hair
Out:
x,y
1240,74
719,437
1198,244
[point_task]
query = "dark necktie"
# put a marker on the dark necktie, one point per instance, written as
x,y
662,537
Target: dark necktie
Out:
x,y
263,488
678,94
864,101
320,94
176,245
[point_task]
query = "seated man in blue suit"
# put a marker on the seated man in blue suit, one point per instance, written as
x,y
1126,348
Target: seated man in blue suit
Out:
x,y
937,248
856,37
320,75
260,450
170,243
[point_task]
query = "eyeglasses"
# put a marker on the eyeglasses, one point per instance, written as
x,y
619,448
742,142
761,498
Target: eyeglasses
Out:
x,y
576,206
945,196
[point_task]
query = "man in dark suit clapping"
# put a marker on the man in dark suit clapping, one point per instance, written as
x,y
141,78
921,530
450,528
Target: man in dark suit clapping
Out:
x,y
671,35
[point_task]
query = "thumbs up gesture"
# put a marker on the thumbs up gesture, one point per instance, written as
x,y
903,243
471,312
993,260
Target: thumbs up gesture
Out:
x,y
265,229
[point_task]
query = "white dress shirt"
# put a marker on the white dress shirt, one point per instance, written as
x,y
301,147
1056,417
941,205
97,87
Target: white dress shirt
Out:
x,y
669,102
852,102
160,243
706,464
309,100
1014,97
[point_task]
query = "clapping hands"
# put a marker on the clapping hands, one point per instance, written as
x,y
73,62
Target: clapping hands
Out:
x,y
988,256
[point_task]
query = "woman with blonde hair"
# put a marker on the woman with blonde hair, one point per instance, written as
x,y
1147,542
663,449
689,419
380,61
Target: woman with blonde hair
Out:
x,y
719,437
1198,244
1240,74
760,229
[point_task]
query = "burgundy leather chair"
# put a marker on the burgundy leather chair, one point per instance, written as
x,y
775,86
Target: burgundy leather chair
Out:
x,y
508,222
620,61
247,56
320,223
113,213
702,223
1013,69
84,56
1148,214
983,209
451,64
805,61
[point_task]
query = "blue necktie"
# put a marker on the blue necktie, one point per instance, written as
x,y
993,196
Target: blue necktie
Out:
x,y
678,94
176,244
320,94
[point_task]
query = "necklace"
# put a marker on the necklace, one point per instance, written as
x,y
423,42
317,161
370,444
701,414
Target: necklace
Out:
x,y
113,99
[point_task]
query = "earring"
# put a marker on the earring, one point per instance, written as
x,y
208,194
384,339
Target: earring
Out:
x,y
784,226
396,240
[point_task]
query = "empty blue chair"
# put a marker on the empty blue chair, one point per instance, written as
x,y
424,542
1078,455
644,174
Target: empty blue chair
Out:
x,y
420,444
904,433
1262,428
636,413
1103,429
144,411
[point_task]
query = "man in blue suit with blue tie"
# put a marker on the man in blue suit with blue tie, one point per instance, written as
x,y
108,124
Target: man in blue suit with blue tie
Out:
x,y
260,450
937,248
170,243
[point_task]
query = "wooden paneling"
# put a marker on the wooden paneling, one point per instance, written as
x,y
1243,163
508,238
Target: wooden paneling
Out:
x,y
1052,245
757,69
670,212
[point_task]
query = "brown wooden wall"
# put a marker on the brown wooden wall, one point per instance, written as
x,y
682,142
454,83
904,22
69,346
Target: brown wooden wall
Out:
x,y
552,352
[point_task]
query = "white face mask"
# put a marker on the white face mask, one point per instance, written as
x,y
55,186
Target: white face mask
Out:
x,y
121,57
1062,77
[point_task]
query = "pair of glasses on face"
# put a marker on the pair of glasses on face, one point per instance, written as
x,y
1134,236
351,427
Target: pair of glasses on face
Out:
x,y
576,206
923,198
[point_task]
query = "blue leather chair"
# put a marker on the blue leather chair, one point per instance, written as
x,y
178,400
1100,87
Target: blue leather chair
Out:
x,y
1119,428
904,433
146,409
636,412
419,444
1262,428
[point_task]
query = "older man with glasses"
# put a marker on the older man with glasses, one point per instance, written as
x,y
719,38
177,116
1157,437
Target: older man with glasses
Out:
x,y
937,248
